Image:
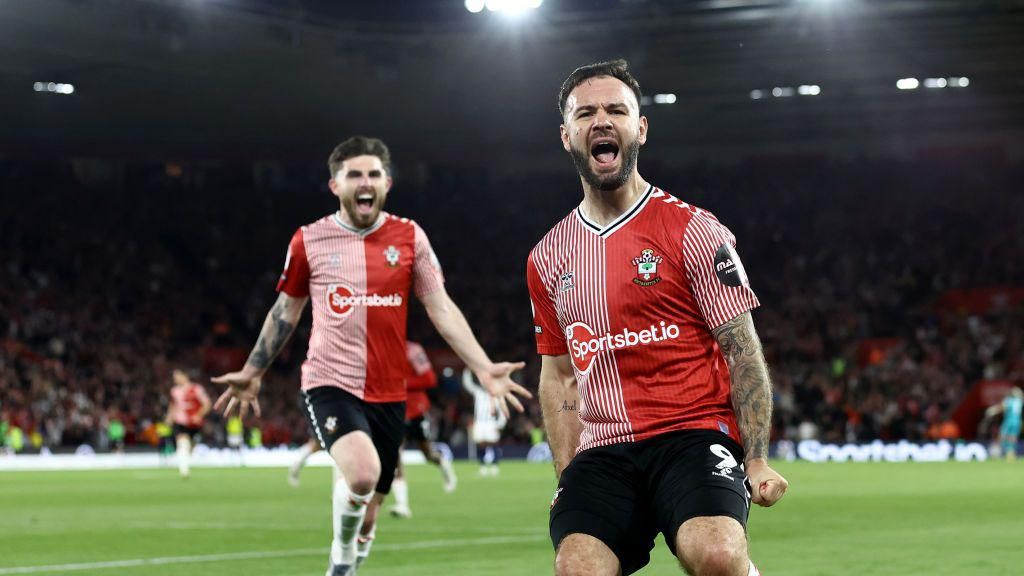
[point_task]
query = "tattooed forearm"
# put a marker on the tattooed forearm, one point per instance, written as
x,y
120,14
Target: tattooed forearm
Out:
x,y
559,402
277,328
751,385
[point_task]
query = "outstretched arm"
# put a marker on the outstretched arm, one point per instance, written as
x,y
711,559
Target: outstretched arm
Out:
x,y
560,404
452,326
752,401
244,385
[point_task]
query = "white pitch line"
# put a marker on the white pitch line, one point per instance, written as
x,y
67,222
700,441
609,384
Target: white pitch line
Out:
x,y
251,555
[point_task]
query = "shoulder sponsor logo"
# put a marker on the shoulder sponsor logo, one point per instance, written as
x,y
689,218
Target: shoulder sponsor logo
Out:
x,y
341,300
585,344
647,268
728,267
392,255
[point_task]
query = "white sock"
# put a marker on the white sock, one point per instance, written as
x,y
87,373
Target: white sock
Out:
x,y
401,491
363,545
349,510
304,453
752,571
184,451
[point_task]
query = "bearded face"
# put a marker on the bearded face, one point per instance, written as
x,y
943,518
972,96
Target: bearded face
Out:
x,y
603,132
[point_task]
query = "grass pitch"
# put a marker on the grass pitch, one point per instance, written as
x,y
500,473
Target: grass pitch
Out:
x,y
838,519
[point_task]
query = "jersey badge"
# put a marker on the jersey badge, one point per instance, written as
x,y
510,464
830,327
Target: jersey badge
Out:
x,y
391,255
647,268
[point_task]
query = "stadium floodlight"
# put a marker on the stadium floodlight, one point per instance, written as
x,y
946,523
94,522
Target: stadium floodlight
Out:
x,y
783,92
53,87
664,98
809,90
907,83
509,6
958,82
475,6
756,94
935,82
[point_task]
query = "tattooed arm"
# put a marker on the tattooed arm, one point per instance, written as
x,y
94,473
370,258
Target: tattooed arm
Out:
x,y
560,404
244,385
752,402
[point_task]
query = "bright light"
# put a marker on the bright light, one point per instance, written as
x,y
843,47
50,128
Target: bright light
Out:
x,y
959,82
783,92
907,83
809,90
664,98
53,87
509,6
756,94
934,82
475,6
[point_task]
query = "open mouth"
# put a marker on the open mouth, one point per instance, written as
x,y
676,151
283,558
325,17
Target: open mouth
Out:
x,y
605,151
364,202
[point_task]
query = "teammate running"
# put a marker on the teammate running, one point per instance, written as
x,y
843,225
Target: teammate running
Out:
x,y
188,407
358,266
417,428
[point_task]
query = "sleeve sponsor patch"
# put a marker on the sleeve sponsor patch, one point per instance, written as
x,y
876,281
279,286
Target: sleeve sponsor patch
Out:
x,y
728,267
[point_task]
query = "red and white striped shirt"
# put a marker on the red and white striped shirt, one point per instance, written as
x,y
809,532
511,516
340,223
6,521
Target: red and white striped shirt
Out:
x,y
633,303
359,283
187,404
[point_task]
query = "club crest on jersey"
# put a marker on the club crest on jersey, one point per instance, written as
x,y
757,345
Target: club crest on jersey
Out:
x,y
331,424
391,255
566,282
647,268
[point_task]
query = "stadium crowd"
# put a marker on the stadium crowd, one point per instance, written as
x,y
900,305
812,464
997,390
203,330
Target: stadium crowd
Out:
x,y
113,273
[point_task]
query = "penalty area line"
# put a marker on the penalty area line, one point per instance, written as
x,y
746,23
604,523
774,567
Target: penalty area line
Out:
x,y
256,554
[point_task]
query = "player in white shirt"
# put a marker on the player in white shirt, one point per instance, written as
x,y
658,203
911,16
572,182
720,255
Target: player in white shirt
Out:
x,y
488,421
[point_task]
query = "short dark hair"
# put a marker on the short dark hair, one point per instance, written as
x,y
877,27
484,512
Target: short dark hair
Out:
x,y
618,69
359,146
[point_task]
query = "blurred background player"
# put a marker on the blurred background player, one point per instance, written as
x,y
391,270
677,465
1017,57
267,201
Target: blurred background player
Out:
x,y
488,422
235,430
417,427
359,267
188,406
1009,430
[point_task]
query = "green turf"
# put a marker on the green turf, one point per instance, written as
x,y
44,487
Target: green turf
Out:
x,y
838,519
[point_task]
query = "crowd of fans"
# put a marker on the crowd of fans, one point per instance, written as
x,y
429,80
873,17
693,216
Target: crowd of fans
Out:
x,y
111,280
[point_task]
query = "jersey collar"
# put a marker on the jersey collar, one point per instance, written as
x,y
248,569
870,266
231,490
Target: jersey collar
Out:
x,y
619,222
364,232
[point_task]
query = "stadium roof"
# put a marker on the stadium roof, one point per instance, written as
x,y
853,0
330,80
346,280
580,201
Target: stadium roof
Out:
x,y
270,77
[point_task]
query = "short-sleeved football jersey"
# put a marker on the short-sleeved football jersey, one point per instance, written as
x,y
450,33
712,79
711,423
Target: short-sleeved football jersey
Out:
x,y
634,304
359,283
